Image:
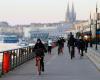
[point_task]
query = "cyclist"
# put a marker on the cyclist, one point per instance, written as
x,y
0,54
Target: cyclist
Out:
x,y
39,49
71,44
68,43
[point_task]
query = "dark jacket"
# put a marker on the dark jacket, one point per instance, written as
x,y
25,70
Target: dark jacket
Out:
x,y
71,41
81,44
39,49
60,43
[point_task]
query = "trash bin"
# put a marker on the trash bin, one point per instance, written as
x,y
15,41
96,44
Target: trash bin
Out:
x,y
6,62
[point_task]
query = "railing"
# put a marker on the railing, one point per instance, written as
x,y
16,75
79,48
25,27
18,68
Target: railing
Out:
x,y
10,59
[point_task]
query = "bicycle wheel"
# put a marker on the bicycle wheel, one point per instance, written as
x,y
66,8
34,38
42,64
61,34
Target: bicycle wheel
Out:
x,y
38,66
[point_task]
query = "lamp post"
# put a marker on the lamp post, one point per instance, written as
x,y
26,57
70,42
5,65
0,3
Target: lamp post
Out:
x,y
90,32
96,27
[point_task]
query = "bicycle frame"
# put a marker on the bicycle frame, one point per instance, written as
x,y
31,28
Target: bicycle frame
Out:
x,y
38,64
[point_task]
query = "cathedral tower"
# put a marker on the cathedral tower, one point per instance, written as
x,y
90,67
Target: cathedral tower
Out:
x,y
70,14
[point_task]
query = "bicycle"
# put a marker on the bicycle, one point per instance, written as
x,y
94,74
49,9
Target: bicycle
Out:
x,y
38,64
39,60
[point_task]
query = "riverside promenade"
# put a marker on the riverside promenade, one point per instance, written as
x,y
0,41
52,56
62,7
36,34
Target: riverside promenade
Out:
x,y
94,55
57,68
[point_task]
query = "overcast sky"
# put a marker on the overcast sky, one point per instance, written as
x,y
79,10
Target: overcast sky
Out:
x,y
27,11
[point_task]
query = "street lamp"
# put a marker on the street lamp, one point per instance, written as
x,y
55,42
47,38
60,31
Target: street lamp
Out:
x,y
96,26
90,32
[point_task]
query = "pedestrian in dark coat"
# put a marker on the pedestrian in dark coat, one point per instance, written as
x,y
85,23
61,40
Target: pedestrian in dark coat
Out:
x,y
86,45
81,46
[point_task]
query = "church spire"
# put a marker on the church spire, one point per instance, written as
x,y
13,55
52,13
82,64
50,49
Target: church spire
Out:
x,y
70,14
73,13
67,13
72,7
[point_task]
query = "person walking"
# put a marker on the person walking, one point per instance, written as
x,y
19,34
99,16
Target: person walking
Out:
x,y
86,45
49,45
63,41
81,46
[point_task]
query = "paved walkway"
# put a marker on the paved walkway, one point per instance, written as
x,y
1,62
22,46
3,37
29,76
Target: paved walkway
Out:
x,y
98,46
57,68
94,55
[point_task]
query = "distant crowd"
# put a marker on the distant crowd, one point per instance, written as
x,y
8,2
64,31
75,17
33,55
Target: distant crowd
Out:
x,y
72,42
80,43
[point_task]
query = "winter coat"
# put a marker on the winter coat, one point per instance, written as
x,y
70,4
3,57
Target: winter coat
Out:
x,y
39,49
71,41
81,44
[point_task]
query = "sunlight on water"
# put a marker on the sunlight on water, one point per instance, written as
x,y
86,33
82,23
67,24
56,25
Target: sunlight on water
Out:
x,y
7,46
